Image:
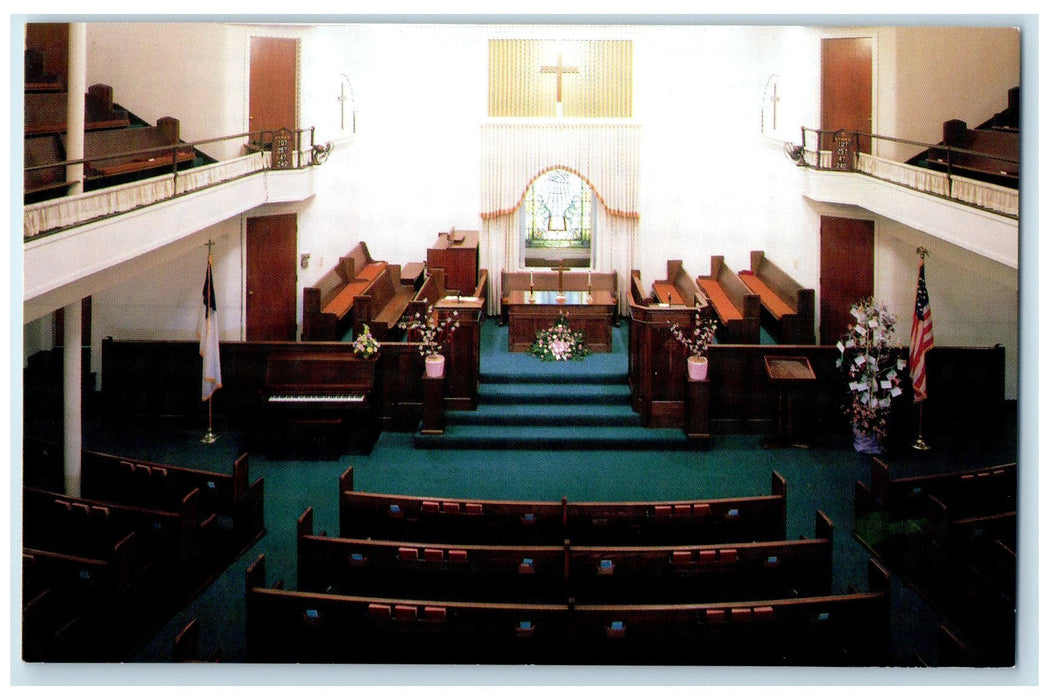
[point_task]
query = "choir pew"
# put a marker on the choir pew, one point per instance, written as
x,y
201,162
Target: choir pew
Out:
x,y
678,289
736,307
328,303
382,303
789,307
349,566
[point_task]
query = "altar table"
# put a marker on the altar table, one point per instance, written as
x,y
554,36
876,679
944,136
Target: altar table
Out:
x,y
592,313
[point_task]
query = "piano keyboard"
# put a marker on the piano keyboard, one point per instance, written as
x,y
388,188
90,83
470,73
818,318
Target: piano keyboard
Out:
x,y
316,398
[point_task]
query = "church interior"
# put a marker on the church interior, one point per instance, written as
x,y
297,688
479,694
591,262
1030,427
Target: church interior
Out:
x,y
655,348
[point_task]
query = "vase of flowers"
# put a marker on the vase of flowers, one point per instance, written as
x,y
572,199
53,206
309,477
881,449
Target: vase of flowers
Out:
x,y
559,342
871,368
696,340
431,332
365,345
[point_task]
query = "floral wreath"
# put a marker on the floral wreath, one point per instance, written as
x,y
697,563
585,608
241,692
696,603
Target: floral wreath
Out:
x,y
559,342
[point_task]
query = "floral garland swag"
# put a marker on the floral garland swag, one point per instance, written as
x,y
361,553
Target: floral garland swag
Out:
x,y
559,342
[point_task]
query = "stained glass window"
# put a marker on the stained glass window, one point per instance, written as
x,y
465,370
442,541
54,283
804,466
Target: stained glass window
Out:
x,y
558,212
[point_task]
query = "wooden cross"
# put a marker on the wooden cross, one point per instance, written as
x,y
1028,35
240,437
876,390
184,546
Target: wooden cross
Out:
x,y
561,276
342,105
775,103
560,69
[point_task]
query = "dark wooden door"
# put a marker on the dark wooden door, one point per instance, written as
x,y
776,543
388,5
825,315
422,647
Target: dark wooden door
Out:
x,y
846,272
846,88
271,91
271,280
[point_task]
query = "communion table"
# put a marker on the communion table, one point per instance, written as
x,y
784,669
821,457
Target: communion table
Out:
x,y
590,313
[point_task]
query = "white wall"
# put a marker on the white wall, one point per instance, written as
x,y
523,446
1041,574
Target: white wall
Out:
x,y
711,183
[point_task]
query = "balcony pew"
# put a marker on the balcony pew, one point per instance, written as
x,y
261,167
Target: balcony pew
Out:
x,y
987,154
702,521
736,307
789,308
46,112
691,574
114,152
37,79
43,182
508,573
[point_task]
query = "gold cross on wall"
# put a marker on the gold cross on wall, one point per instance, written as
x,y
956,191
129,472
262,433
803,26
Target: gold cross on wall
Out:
x,y
560,69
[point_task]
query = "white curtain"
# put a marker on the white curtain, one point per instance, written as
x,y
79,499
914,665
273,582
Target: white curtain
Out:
x,y
605,153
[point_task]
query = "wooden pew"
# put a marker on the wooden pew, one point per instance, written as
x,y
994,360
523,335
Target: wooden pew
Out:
x,y
703,521
45,112
987,154
450,520
517,573
849,629
711,573
236,504
186,645
907,496
789,308
382,303
42,182
301,627
86,582
112,152
678,289
37,79
167,537
329,302
736,307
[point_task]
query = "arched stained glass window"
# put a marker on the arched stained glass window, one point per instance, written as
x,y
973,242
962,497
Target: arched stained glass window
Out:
x,y
558,212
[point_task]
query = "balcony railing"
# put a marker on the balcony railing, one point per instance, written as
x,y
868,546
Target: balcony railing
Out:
x,y
282,149
848,151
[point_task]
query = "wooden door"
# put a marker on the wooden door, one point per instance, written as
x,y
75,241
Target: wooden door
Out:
x,y
271,91
846,88
271,279
846,272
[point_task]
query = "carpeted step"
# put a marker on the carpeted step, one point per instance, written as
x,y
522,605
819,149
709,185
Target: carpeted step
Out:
x,y
563,372
471,437
553,393
543,414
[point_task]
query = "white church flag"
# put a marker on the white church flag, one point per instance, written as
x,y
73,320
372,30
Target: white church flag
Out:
x,y
209,338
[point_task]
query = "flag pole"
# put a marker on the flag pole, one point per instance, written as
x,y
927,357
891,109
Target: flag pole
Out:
x,y
919,442
210,436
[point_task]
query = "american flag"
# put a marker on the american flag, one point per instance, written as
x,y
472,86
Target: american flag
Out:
x,y
209,338
921,336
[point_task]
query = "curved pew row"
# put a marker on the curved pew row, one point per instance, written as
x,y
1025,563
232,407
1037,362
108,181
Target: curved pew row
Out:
x,y
302,627
552,573
456,520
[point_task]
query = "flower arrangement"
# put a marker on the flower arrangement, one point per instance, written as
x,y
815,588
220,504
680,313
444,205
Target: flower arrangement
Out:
x,y
699,337
430,331
871,368
559,342
365,345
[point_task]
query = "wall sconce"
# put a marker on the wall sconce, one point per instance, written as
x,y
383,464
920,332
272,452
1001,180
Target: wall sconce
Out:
x,y
304,261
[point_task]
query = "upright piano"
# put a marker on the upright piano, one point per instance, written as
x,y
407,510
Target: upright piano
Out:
x,y
318,404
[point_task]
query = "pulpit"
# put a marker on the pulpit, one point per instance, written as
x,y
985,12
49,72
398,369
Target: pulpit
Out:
x,y
787,375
